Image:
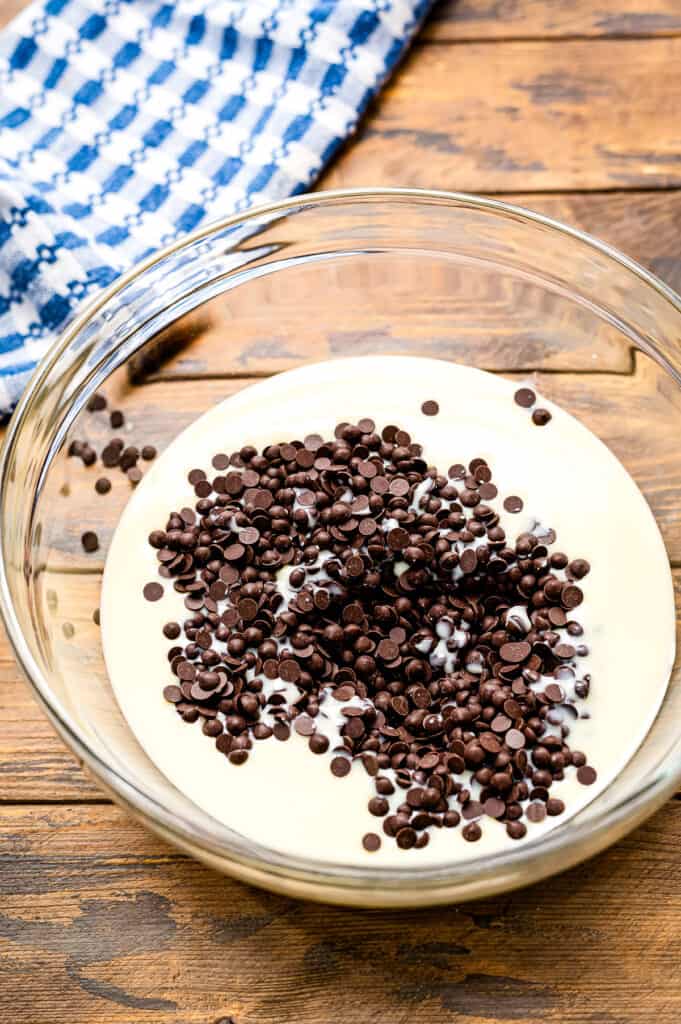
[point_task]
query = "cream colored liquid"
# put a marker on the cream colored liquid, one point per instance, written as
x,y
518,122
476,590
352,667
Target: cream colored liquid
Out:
x,y
285,797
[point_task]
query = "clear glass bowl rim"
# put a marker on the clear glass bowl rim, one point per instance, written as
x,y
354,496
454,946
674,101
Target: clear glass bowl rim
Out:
x,y
439,883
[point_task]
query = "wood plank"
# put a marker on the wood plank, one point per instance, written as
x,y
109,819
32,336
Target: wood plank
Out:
x,y
34,763
524,116
464,20
644,225
119,929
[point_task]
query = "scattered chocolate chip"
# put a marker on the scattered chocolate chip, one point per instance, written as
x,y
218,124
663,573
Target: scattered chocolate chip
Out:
x,y
116,419
371,842
586,775
318,743
535,811
516,829
430,408
579,567
525,397
103,485
571,596
513,503
90,541
111,456
472,832
541,417
97,402
148,452
152,591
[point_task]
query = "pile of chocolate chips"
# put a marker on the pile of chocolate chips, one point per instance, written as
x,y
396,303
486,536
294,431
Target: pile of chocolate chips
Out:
x,y
410,607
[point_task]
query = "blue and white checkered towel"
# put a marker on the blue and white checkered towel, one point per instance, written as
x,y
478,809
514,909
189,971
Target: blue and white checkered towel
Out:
x,y
125,123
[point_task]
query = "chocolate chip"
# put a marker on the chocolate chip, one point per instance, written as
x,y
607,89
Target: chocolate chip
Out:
x,y
525,397
513,503
116,419
238,756
514,739
586,775
430,408
571,596
90,541
97,402
152,591
398,539
468,561
340,766
103,485
148,452
535,812
406,838
111,456
541,417
318,743
304,725
494,807
289,670
371,842
471,832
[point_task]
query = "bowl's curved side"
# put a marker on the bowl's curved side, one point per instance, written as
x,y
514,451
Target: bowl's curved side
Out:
x,y
36,431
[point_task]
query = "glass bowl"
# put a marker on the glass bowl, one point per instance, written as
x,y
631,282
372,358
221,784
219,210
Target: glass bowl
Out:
x,y
324,276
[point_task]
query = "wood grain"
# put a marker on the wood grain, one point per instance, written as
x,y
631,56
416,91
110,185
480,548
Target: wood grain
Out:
x,y
644,225
524,116
464,20
101,922
34,763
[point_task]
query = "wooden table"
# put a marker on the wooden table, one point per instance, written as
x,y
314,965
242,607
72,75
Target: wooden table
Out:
x,y
570,108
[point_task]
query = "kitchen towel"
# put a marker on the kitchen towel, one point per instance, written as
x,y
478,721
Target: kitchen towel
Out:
x,y
126,123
